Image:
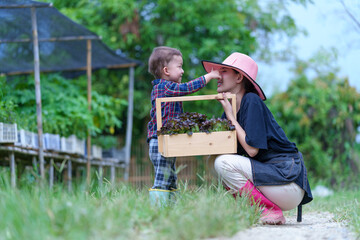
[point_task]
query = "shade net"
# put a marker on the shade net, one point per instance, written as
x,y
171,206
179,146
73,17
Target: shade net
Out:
x,y
18,58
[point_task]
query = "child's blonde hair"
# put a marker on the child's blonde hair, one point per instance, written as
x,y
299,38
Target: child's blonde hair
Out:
x,y
159,58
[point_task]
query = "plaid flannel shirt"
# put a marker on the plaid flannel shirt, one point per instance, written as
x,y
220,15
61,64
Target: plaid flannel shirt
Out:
x,y
169,110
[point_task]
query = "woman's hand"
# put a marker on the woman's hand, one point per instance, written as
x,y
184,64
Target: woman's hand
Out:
x,y
240,132
227,107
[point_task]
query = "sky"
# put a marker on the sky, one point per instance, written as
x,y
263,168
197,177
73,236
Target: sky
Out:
x,y
328,26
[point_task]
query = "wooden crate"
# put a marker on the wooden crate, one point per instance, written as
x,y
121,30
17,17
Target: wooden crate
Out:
x,y
8,133
72,145
96,151
25,139
199,143
52,142
66,145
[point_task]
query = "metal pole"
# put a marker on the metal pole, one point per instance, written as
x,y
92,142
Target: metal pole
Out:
x,y
12,169
37,90
69,172
51,173
129,124
112,174
88,145
100,175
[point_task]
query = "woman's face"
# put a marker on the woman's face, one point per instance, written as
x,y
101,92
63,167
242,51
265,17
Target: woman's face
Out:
x,y
227,83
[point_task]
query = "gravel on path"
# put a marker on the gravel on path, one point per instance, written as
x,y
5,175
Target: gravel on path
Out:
x,y
313,226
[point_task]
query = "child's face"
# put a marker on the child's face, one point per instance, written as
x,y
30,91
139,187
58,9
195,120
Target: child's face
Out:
x,y
173,71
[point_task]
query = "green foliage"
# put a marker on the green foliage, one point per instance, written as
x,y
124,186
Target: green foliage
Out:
x,y
106,141
321,115
7,107
64,105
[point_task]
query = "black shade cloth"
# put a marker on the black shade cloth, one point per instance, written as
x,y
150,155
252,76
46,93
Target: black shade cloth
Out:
x,y
22,3
55,55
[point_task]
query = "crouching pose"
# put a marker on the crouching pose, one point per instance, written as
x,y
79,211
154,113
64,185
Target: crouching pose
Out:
x,y
268,168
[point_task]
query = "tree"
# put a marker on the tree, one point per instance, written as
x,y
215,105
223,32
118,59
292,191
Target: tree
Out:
x,y
321,114
201,29
350,14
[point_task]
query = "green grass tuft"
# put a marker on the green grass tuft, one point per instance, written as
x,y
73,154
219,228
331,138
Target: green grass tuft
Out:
x,y
119,212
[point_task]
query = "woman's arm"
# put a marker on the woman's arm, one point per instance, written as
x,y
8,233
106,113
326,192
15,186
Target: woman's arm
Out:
x,y
241,134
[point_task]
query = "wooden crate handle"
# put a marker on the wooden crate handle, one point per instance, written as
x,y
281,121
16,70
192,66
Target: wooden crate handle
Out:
x,y
190,98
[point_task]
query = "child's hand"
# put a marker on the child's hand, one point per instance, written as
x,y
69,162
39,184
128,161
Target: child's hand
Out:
x,y
214,74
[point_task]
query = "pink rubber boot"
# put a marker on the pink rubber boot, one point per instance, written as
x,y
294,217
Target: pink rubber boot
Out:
x,y
271,214
228,189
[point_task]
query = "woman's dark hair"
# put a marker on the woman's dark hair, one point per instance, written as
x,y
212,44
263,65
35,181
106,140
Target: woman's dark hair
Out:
x,y
249,87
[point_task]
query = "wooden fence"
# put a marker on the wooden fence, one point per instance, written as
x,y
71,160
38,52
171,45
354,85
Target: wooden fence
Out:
x,y
192,170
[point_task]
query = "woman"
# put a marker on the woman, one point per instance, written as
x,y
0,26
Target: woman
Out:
x,y
268,168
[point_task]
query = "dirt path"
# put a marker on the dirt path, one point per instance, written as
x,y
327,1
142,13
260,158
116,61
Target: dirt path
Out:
x,y
314,226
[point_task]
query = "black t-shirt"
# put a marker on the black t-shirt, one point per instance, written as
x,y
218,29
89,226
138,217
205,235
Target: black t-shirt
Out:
x,y
262,130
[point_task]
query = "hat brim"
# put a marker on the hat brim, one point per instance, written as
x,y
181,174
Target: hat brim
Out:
x,y
209,65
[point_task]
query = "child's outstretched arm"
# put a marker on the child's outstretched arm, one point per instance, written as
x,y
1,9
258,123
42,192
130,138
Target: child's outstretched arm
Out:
x,y
214,74
181,89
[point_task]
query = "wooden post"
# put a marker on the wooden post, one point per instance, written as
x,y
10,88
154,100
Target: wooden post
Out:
x,y
78,173
13,169
112,174
34,163
51,173
100,174
88,145
69,172
129,124
37,90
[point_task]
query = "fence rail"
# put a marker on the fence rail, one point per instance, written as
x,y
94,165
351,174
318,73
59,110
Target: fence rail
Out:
x,y
192,170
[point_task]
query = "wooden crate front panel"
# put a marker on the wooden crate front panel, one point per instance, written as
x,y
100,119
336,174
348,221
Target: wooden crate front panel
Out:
x,y
198,144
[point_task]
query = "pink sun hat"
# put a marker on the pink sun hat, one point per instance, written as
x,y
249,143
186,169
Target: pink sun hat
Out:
x,y
238,62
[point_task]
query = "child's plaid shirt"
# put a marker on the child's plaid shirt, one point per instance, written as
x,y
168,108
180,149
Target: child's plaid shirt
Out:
x,y
170,110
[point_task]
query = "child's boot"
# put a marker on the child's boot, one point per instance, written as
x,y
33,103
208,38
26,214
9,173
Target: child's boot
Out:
x,y
159,197
174,195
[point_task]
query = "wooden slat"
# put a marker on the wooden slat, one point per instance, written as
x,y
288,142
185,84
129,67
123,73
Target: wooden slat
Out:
x,y
199,144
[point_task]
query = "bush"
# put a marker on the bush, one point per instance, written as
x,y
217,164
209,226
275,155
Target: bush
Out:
x,y
64,106
7,107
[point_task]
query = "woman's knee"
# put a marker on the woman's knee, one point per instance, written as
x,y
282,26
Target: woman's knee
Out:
x,y
219,164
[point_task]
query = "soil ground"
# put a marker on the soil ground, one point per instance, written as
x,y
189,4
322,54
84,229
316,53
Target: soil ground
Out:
x,y
313,226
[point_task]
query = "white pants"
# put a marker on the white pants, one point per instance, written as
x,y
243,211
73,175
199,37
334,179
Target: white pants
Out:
x,y
235,170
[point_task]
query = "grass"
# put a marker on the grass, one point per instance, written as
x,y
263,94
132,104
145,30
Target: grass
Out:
x,y
123,212
345,205
119,212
